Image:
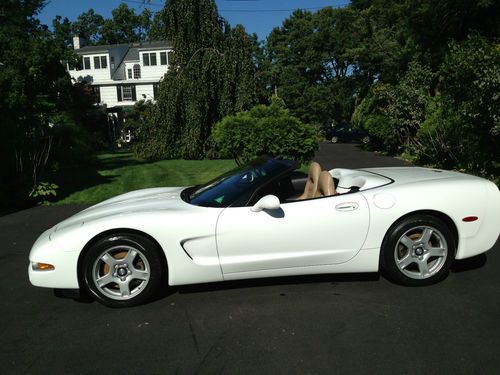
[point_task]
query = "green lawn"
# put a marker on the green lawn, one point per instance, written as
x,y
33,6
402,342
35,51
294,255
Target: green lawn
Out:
x,y
122,172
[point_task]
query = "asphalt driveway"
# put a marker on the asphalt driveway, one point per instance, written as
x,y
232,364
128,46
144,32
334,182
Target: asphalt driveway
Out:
x,y
332,324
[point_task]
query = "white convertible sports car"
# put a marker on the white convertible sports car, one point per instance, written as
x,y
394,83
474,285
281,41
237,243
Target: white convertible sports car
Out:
x,y
267,219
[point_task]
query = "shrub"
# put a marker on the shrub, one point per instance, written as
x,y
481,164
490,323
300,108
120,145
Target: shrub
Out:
x,y
269,130
369,115
43,191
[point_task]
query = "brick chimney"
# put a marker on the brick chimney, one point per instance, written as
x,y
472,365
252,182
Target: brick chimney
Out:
x,y
78,42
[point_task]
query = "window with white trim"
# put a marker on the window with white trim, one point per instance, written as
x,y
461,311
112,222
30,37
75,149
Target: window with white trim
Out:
x,y
104,62
126,93
129,73
137,71
149,59
86,62
100,62
163,58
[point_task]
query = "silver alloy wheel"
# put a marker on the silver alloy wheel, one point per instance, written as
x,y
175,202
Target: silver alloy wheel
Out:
x,y
421,252
335,139
366,139
121,272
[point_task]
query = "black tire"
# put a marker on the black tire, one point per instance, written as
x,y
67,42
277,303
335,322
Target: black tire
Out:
x,y
123,263
409,259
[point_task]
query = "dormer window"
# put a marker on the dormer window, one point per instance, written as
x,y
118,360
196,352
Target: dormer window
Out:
x,y
149,59
100,62
163,58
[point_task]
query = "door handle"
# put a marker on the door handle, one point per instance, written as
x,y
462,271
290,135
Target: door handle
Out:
x,y
347,206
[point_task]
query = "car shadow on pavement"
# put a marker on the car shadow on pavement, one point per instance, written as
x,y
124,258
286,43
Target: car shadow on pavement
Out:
x,y
276,281
462,265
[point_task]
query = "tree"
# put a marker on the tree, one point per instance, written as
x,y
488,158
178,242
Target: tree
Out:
x,y
39,104
62,32
89,25
30,78
462,129
125,26
394,113
211,75
312,65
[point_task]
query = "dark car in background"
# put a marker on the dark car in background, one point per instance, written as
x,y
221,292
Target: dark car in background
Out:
x,y
345,132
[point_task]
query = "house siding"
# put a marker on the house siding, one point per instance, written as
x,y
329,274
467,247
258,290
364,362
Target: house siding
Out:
x,y
153,71
92,75
145,90
108,95
110,98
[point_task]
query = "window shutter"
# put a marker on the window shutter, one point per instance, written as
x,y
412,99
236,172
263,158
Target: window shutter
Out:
x,y
119,93
134,97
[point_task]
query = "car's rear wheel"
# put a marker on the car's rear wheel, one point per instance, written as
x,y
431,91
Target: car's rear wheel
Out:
x,y
418,251
123,270
365,139
334,139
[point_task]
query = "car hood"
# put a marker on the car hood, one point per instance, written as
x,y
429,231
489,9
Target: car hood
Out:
x,y
145,200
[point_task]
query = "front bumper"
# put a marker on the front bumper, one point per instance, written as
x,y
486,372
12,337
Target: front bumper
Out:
x,y
64,275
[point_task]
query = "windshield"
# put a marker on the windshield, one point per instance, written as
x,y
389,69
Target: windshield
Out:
x,y
239,184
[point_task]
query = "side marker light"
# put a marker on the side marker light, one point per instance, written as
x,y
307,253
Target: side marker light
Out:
x,y
37,266
468,219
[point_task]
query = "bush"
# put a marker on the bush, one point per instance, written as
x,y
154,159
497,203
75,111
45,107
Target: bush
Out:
x,y
269,130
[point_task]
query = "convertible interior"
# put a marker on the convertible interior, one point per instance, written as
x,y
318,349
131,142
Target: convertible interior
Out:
x,y
300,186
321,183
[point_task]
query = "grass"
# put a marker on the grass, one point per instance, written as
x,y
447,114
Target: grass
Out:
x,y
121,172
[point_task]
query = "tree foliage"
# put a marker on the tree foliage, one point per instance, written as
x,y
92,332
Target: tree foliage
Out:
x,y
124,26
270,130
462,128
311,65
212,75
420,76
39,105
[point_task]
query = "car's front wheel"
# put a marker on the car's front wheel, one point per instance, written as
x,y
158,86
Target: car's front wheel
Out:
x,y
365,139
123,270
418,251
334,139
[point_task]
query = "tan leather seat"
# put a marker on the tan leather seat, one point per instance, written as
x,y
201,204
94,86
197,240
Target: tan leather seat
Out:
x,y
326,185
312,181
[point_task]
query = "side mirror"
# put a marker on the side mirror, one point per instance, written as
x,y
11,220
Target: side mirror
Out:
x,y
268,202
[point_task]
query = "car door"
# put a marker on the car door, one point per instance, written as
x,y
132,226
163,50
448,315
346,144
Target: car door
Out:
x,y
318,231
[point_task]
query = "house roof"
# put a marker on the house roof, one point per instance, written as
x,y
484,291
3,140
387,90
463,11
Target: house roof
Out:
x,y
100,48
133,52
133,48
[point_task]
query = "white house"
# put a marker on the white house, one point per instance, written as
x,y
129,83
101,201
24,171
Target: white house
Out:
x,y
122,74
